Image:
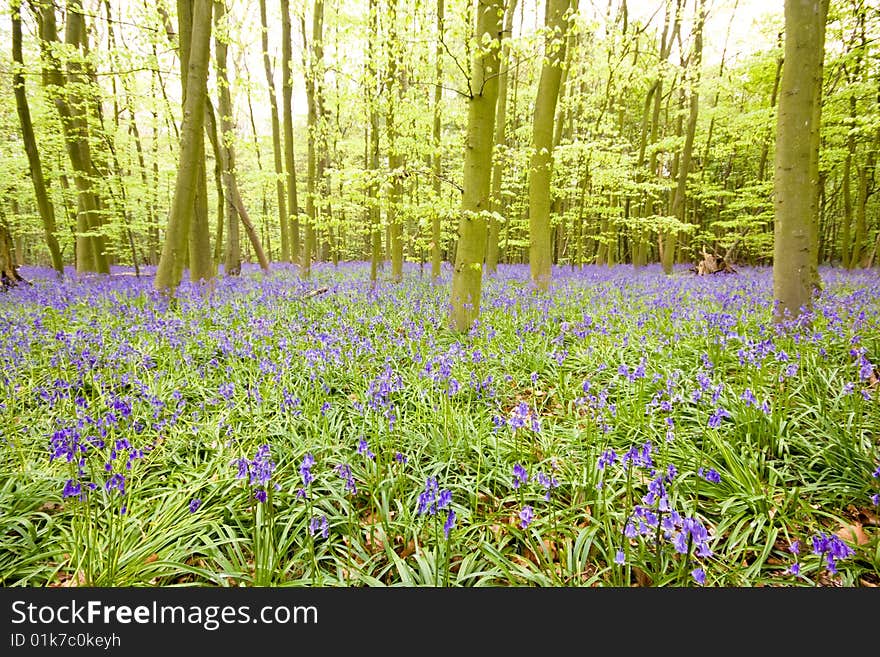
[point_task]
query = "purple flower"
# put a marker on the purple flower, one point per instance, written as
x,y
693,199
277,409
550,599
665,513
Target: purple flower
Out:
x,y
711,475
319,525
833,548
117,482
607,458
716,417
72,489
194,504
620,557
261,496
449,524
547,482
526,516
344,473
699,576
520,476
305,469
364,448
400,458
432,498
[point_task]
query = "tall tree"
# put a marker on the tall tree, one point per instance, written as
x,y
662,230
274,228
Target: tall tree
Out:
x,y
492,247
314,67
283,220
44,203
436,160
287,122
467,274
541,168
69,96
236,209
175,248
679,195
796,178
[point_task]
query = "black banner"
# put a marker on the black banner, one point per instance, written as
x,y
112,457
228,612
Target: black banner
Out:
x,y
126,621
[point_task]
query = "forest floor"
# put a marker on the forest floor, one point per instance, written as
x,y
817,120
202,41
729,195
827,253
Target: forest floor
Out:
x,y
627,429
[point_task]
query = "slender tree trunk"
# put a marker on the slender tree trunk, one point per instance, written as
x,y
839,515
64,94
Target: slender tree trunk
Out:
x,y
436,225
497,207
283,220
44,204
314,85
226,150
796,171
72,109
394,87
372,75
541,169
174,250
467,275
287,124
680,195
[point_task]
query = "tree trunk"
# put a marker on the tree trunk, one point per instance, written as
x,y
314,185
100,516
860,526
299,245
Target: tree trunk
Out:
x,y
467,275
497,207
541,169
796,177
678,200
174,249
283,220
287,102
436,225
44,204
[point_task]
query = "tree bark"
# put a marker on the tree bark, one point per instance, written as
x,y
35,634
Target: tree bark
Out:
x,y
287,109
44,204
796,176
467,275
680,195
174,250
283,220
541,169
497,207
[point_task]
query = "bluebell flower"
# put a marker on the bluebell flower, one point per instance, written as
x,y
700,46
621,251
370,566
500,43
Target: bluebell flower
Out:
x,y
711,475
699,576
526,515
319,525
449,524
620,557
833,548
72,489
345,474
520,476
194,504
432,498
608,457
305,469
364,448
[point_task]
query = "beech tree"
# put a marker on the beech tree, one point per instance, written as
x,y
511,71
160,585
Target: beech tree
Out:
x,y
540,258
175,250
467,275
796,180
